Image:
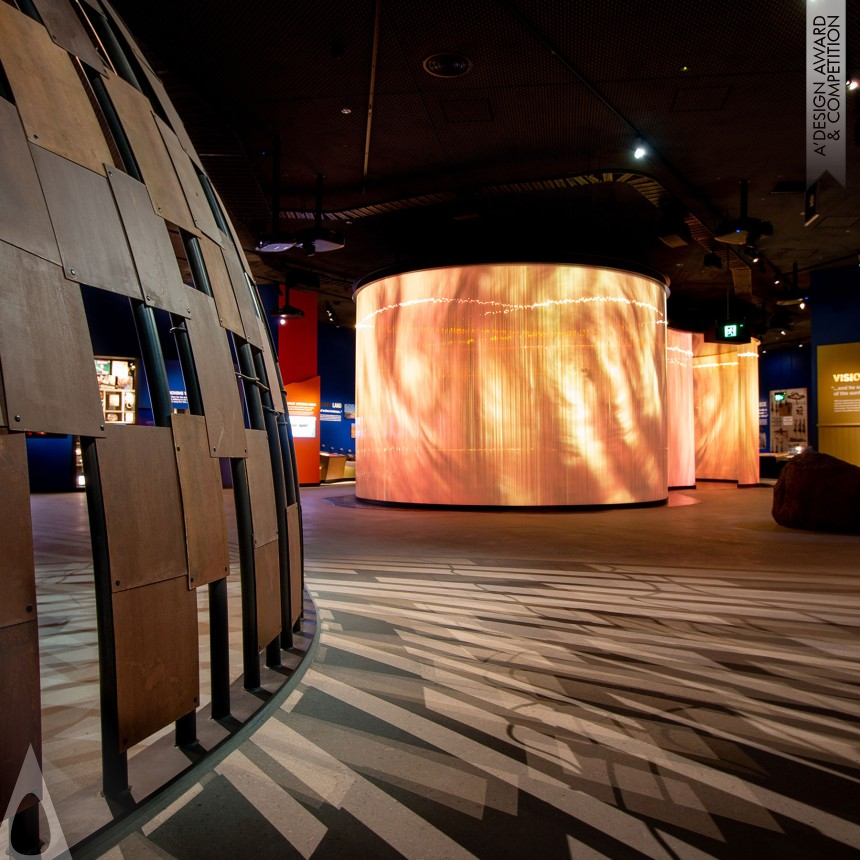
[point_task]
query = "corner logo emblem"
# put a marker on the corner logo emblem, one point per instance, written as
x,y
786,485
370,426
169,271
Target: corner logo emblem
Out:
x,y
31,781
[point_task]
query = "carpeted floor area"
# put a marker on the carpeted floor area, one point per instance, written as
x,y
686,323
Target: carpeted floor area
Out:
x,y
673,682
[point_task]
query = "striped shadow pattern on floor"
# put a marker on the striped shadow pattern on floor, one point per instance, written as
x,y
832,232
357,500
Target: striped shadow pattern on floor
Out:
x,y
471,709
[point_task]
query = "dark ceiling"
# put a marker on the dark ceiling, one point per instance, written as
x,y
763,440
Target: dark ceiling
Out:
x,y
529,155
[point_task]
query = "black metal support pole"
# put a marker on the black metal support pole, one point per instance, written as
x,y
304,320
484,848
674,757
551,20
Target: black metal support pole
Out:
x,y
195,261
297,627
244,527
186,362
114,761
291,472
129,162
153,363
114,50
271,418
30,10
291,476
209,192
219,649
252,389
162,410
273,653
186,730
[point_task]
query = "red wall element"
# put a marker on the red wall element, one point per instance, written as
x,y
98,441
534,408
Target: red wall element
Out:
x,y
297,340
297,356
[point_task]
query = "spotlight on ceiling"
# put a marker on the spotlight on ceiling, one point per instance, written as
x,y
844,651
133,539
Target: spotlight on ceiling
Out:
x,y
752,253
792,300
331,315
640,148
287,311
712,260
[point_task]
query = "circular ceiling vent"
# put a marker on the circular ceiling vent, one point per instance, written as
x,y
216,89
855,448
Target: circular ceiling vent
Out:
x,y
447,65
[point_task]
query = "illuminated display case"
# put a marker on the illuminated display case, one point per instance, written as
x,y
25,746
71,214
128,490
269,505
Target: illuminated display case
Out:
x,y
118,388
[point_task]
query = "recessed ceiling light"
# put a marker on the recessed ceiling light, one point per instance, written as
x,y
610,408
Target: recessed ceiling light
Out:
x,y
639,148
346,111
447,65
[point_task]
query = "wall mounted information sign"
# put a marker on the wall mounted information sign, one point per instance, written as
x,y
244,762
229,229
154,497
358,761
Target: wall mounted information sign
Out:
x,y
789,427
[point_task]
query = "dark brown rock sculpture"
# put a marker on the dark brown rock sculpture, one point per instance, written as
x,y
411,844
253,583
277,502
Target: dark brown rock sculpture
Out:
x,y
818,492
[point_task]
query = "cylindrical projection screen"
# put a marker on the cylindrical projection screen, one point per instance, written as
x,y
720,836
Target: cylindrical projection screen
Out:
x,y
511,385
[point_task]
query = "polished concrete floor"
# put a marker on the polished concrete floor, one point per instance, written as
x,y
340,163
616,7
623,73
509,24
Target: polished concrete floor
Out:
x,y
670,682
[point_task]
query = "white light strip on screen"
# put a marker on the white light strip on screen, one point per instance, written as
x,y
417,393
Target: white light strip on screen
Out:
x,y
503,308
687,353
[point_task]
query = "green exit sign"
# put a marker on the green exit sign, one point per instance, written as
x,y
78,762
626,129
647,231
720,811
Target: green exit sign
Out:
x,y
731,331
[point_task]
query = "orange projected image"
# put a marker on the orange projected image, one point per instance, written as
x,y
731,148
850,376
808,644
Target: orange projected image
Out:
x,y
511,384
679,393
726,393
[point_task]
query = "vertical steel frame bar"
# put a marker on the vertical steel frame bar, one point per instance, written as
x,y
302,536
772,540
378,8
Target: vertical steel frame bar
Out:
x,y
271,418
244,528
114,761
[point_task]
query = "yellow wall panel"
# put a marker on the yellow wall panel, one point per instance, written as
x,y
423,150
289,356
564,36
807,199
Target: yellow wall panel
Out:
x,y
839,401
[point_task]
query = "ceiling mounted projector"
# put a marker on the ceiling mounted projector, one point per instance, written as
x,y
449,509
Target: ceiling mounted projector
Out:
x,y
312,240
316,240
276,244
743,230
